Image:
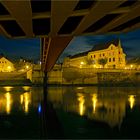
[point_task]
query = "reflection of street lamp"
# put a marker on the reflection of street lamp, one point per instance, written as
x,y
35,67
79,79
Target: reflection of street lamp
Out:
x,y
94,100
81,104
131,100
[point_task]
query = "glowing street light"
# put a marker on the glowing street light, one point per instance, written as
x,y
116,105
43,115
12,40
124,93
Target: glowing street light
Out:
x,y
131,66
27,67
82,63
9,67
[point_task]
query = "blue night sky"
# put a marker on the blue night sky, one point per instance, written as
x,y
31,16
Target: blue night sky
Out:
x,y
30,48
16,48
130,43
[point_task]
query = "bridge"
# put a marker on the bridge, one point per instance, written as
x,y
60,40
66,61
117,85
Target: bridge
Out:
x,y
56,22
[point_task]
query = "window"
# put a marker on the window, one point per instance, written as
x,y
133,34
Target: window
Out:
x,y
114,59
103,54
94,56
119,52
91,56
100,55
109,59
111,48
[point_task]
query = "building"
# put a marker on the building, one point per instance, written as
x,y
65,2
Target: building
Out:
x,y
6,65
108,55
35,75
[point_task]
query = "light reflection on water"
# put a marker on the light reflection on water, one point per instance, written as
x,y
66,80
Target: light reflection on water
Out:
x,y
107,105
10,95
117,107
19,116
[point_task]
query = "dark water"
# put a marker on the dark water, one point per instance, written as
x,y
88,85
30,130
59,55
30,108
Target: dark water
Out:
x,y
69,112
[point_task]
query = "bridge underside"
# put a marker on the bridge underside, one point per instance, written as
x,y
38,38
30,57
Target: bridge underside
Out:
x,y
56,22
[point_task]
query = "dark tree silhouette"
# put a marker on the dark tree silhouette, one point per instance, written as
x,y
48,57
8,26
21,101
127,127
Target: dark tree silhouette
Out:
x,y
102,61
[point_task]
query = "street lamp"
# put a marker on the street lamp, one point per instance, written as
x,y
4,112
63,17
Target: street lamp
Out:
x,y
131,66
82,63
9,68
27,67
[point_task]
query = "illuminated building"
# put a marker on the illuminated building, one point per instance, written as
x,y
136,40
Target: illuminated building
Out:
x,y
6,65
112,52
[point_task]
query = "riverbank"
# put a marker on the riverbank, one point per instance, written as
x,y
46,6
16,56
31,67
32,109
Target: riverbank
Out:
x,y
75,76
14,82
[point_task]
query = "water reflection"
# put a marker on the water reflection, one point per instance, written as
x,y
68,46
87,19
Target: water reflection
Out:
x,y
101,104
131,100
8,102
25,99
19,98
8,88
81,103
94,100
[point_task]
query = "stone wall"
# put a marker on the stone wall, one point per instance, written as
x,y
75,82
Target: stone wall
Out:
x,y
91,76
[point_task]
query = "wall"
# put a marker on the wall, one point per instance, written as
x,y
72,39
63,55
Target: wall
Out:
x,y
93,76
35,75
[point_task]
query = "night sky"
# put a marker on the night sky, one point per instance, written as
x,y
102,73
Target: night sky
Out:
x,y
130,43
30,48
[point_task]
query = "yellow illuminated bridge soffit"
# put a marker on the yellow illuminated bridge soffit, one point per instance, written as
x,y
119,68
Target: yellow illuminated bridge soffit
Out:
x,y
50,18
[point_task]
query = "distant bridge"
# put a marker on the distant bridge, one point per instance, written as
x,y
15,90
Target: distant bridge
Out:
x,y
56,22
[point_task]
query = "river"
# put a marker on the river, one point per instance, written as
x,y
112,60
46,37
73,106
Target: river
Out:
x,y
69,112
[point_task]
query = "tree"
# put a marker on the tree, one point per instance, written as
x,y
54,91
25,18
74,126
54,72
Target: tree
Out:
x,y
89,61
102,61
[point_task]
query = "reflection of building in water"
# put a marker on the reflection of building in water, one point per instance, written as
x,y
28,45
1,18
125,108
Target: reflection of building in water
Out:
x,y
103,106
18,99
110,110
25,100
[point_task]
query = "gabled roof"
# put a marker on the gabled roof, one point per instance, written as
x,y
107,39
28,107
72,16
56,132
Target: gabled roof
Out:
x,y
97,47
105,45
80,54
